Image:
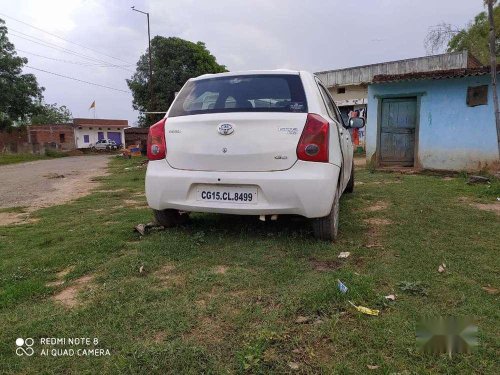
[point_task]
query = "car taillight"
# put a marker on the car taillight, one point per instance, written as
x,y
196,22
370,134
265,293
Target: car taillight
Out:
x,y
157,147
313,143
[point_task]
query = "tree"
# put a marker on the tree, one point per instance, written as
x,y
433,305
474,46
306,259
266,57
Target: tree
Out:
x,y
20,94
473,37
174,61
51,114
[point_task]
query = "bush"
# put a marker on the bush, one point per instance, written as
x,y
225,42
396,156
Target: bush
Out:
x,y
51,153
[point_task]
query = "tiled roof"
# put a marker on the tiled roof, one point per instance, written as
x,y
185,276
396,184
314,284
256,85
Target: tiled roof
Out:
x,y
436,74
99,122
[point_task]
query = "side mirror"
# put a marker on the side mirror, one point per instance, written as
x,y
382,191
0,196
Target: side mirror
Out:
x,y
356,122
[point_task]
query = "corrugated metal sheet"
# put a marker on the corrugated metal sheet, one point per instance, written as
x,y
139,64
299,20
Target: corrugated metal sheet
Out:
x,y
437,74
364,74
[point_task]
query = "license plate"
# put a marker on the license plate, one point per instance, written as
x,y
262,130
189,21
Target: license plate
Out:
x,y
229,194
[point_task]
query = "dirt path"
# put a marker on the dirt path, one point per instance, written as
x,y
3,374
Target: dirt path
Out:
x,y
45,183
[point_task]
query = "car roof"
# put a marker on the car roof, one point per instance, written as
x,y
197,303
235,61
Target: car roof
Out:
x,y
247,72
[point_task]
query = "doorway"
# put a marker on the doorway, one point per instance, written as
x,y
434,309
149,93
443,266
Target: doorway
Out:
x,y
398,121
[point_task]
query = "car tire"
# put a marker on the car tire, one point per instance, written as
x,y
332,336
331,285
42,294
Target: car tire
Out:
x,y
170,218
350,185
326,228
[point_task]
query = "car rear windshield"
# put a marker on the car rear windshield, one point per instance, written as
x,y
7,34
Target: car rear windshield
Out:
x,y
245,93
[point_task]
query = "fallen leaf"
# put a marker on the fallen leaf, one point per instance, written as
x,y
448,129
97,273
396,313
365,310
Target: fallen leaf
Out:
x,y
293,365
372,367
302,319
344,254
391,297
490,290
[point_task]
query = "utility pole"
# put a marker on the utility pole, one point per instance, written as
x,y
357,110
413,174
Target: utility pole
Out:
x,y
493,63
150,83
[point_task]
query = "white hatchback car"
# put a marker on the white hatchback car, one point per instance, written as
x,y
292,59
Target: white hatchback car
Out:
x,y
263,143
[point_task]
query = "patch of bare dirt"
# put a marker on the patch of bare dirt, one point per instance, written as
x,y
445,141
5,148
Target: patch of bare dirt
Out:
x,y
208,331
130,203
68,296
9,218
377,221
324,265
378,206
110,191
359,162
492,207
374,231
55,283
159,337
221,270
65,272
169,277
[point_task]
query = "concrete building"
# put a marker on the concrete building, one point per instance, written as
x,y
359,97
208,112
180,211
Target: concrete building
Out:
x,y
442,120
349,86
89,131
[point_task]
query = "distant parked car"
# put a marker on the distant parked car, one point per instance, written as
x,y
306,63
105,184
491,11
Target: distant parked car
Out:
x,y
254,143
105,145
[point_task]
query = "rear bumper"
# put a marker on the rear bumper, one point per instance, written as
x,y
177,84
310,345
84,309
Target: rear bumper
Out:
x,y
306,189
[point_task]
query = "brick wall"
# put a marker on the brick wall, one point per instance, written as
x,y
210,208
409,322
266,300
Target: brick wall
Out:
x,y
14,141
58,136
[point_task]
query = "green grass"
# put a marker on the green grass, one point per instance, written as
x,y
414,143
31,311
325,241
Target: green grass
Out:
x,y
21,158
222,294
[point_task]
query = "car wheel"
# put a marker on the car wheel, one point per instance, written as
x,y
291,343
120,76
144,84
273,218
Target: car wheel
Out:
x,y
350,185
326,228
170,218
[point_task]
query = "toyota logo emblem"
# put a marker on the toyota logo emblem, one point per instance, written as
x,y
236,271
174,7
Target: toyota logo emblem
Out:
x,y
225,129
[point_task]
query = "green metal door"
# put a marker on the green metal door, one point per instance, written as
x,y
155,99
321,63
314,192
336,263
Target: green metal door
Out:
x,y
397,131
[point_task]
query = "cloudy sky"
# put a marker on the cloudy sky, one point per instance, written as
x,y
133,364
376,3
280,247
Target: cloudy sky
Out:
x,y
311,35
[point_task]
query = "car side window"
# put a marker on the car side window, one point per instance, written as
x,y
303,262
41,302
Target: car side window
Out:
x,y
328,102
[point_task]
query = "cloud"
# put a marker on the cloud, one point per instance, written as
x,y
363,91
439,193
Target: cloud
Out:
x,y
314,35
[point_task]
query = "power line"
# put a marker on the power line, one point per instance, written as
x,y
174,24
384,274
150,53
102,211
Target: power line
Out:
x,y
66,40
76,79
65,61
44,43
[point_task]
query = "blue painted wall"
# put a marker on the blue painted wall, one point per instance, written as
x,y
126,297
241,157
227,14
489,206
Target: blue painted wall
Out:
x,y
452,136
